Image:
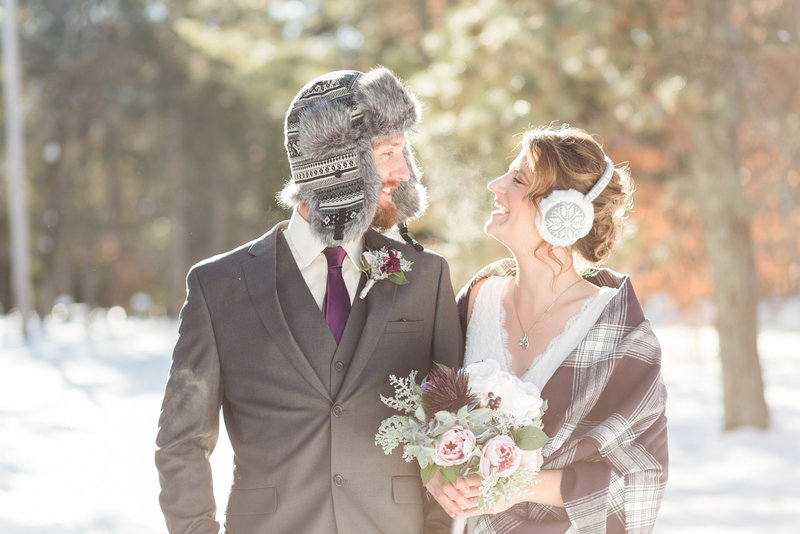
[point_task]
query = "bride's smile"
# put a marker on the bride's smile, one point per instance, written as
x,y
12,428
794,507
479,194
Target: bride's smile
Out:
x,y
512,221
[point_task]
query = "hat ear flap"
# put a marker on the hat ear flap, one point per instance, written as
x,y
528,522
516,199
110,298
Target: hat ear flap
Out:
x,y
411,197
325,130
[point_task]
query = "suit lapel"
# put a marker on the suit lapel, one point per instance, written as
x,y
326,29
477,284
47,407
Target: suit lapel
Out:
x,y
261,274
379,303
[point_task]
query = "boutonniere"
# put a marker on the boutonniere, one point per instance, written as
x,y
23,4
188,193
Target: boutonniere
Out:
x,y
384,264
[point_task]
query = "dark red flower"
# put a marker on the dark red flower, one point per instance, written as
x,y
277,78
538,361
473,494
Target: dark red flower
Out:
x,y
391,263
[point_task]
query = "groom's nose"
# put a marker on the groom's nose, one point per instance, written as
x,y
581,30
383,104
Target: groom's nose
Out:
x,y
398,171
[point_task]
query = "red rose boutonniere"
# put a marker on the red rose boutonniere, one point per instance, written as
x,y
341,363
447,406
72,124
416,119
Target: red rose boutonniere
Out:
x,y
384,264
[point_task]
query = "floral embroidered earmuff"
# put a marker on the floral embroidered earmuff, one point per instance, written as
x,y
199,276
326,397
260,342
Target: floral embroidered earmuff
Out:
x,y
567,215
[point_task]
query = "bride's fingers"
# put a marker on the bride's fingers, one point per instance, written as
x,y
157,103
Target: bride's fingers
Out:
x,y
462,501
450,507
448,498
468,488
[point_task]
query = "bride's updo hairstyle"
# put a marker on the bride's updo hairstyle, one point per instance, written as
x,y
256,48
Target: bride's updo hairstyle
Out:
x,y
569,158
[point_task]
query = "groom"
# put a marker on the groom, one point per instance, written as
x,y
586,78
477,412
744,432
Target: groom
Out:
x,y
276,335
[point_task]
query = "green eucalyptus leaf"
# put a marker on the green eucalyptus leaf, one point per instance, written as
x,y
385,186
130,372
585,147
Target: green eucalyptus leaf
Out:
x,y
451,473
427,473
480,416
398,278
463,414
530,438
445,417
419,413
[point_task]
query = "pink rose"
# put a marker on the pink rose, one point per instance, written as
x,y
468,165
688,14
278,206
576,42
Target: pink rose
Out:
x,y
455,447
500,453
532,459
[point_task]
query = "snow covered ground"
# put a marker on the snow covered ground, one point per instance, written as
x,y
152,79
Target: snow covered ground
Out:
x,y
79,408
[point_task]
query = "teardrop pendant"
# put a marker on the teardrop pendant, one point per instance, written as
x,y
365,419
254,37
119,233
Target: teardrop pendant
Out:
x,y
523,341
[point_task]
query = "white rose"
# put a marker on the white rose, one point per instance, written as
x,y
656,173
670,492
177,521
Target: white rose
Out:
x,y
521,400
480,374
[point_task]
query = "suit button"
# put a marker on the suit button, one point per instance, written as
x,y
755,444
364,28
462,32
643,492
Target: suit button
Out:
x,y
337,410
338,480
339,366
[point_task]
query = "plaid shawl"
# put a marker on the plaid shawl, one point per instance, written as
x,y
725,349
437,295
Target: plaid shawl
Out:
x,y
606,423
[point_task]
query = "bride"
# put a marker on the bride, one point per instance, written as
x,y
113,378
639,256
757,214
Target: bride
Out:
x,y
581,338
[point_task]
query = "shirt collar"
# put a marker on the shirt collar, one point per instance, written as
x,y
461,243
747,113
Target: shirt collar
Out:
x,y
309,246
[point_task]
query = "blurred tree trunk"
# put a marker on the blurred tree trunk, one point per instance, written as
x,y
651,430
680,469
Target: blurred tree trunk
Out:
x,y
424,16
219,209
716,166
56,192
113,249
19,219
176,167
219,198
90,219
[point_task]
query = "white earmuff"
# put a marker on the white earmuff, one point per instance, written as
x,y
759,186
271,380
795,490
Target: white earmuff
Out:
x,y
568,215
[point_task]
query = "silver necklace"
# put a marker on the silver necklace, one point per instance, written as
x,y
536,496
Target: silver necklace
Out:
x,y
523,341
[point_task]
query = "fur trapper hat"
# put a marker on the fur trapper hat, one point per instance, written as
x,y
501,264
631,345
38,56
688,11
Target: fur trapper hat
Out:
x,y
330,129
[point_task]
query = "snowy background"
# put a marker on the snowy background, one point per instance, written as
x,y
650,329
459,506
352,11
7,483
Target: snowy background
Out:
x,y
79,407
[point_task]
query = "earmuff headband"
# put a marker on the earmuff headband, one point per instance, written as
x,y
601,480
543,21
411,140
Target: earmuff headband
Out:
x,y
603,182
567,215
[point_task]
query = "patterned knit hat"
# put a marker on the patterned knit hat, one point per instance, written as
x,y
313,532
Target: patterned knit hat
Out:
x,y
330,128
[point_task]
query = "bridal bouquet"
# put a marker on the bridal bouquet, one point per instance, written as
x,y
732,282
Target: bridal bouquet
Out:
x,y
478,420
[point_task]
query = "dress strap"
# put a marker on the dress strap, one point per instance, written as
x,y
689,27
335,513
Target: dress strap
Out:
x,y
486,337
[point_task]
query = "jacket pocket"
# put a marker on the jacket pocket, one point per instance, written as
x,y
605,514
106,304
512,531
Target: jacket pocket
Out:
x,y
403,327
252,501
407,489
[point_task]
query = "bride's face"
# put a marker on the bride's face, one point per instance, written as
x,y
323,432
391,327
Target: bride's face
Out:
x,y
513,222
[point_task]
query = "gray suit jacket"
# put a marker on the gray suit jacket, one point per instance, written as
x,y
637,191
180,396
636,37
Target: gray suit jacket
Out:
x,y
300,411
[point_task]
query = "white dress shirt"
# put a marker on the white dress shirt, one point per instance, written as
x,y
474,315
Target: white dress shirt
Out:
x,y
307,252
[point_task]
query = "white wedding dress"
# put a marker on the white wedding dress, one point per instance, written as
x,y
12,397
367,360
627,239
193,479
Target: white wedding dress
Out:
x,y
486,333
486,340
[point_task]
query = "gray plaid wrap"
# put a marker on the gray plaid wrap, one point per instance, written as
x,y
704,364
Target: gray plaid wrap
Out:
x,y
606,419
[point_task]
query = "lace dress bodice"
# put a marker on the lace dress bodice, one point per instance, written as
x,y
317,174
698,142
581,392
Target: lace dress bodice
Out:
x,y
486,333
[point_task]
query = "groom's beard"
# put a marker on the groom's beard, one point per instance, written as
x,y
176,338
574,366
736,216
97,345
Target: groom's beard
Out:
x,y
386,217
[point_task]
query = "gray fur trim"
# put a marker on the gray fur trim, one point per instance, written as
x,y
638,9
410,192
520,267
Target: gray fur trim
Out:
x,y
289,196
410,197
325,130
388,108
330,129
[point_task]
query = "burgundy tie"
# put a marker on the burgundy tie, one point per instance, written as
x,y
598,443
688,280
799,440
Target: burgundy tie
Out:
x,y
336,304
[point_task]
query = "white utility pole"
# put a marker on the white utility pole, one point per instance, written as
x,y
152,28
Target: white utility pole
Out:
x,y
15,165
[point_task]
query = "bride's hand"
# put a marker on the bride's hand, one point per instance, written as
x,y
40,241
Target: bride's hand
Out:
x,y
456,498
471,487
501,505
